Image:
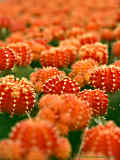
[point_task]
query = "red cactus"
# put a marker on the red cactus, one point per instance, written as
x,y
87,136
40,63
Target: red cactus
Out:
x,y
23,53
40,135
97,51
7,58
106,78
60,85
67,112
42,75
16,97
57,57
97,100
103,139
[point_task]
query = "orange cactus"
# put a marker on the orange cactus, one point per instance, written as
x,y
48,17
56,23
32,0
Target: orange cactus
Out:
x,y
67,112
103,139
41,135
